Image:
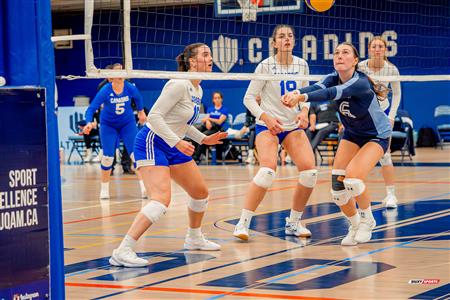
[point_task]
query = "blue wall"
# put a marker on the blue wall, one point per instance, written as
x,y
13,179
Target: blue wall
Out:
x,y
422,41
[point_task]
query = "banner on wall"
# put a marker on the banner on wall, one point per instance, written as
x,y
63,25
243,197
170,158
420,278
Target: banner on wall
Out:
x,y
24,236
68,118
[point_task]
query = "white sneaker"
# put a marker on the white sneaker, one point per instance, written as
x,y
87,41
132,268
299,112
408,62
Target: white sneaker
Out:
x,y
200,243
104,194
241,232
390,201
364,231
250,160
126,257
349,239
296,228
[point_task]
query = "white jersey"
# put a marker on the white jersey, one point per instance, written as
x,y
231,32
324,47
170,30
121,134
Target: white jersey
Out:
x,y
387,70
176,109
271,91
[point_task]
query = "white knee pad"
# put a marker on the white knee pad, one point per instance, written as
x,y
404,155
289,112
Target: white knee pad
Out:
x,y
340,197
354,186
198,205
308,178
264,178
107,162
154,210
386,160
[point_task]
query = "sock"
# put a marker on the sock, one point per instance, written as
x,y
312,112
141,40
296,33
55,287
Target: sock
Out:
x,y
246,217
128,241
354,220
366,213
295,215
250,153
194,232
105,186
141,184
390,189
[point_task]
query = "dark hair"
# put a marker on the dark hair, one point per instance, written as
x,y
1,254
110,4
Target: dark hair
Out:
x,y
275,30
380,89
218,93
379,38
188,52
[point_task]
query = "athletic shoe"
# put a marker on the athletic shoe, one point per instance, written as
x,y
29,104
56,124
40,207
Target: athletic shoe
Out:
x,y
126,257
104,194
364,232
241,232
390,201
296,228
200,243
349,239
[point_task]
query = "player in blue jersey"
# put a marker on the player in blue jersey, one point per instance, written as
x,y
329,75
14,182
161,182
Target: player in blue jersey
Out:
x,y
162,154
117,121
365,139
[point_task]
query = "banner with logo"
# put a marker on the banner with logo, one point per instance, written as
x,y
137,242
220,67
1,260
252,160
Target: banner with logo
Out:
x,y
68,118
24,237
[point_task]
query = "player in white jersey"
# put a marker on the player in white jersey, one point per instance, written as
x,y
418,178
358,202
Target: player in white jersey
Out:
x,y
378,65
277,124
161,155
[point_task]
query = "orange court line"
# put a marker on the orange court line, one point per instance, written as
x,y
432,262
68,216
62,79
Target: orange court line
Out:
x,y
195,291
102,217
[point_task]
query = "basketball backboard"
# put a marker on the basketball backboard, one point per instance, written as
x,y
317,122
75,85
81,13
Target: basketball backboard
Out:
x,y
225,8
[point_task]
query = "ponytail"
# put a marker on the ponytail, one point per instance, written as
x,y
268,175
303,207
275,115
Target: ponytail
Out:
x,y
188,52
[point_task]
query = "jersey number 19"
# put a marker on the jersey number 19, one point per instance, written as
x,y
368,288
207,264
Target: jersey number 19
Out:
x,y
287,86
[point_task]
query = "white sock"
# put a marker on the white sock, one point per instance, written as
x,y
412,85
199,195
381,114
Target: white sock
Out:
x,y
354,220
366,213
141,184
194,232
390,189
295,215
250,153
128,241
246,217
105,186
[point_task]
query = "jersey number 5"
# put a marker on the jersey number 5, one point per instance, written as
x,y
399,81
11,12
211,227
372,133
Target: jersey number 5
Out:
x,y
120,108
287,86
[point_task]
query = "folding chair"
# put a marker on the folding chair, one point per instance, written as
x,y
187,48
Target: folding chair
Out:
x,y
442,120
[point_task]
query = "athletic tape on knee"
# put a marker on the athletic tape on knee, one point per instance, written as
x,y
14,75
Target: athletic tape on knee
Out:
x,y
386,160
354,186
264,178
106,162
198,205
337,179
308,178
340,197
154,210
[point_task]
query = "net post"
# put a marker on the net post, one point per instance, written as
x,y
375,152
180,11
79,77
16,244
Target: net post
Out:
x,y
128,58
88,21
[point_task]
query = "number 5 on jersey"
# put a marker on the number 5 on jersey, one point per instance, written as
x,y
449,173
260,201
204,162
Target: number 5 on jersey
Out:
x,y
120,108
287,86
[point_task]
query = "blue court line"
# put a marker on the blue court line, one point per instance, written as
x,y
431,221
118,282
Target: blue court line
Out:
x,y
250,259
422,164
335,263
426,248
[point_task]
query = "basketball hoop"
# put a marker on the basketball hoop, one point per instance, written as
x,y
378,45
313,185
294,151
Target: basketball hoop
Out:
x,y
249,9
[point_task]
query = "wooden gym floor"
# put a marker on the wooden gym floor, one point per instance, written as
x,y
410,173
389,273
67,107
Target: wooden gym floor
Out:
x,y
408,257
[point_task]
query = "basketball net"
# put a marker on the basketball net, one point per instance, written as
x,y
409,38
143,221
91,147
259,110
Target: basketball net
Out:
x,y
249,9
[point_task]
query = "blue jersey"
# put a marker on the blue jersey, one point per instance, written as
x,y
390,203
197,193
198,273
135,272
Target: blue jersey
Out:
x,y
359,109
215,113
117,110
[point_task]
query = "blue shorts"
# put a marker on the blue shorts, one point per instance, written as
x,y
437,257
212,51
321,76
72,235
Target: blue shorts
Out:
x,y
361,141
281,136
151,150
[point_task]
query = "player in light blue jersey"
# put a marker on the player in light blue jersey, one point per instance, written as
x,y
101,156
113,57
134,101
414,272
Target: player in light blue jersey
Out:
x,y
366,136
162,154
117,121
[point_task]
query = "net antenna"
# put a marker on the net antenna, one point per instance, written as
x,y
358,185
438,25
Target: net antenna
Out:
x,y
249,9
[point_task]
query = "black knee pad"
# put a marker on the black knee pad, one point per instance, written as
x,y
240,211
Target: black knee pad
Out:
x,y
337,180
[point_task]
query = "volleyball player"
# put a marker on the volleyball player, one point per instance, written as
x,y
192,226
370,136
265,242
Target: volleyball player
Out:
x,y
162,154
117,121
378,65
277,124
365,139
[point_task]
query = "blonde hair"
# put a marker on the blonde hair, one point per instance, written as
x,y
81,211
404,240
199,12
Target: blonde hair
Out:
x,y
379,38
